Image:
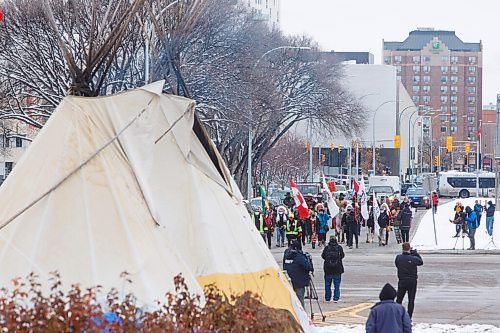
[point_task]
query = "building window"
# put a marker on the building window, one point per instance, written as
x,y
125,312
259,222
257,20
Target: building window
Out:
x,y
416,59
471,99
444,108
472,60
416,99
387,60
471,109
444,99
427,79
444,69
444,89
453,109
453,129
444,129
427,99
471,129
416,69
453,119
426,58
454,89
454,99
454,59
416,89
416,78
398,69
443,118
426,89
471,119
454,79
471,79
397,59
454,69
472,69
471,90
444,79
427,69
444,59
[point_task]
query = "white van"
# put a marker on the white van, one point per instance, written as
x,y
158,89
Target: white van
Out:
x,y
392,181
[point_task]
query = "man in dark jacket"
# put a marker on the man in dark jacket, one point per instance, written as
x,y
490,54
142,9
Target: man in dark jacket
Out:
x,y
405,216
333,268
298,266
490,217
352,226
383,223
387,315
407,263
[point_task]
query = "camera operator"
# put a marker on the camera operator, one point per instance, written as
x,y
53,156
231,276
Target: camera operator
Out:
x,y
406,264
298,265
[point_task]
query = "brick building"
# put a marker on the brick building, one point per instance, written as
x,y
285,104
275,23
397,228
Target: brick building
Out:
x,y
443,75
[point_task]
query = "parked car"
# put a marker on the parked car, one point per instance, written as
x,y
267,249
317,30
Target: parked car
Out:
x,y
418,197
341,189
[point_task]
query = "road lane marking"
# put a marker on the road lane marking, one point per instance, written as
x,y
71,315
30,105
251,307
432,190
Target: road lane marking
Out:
x,y
345,315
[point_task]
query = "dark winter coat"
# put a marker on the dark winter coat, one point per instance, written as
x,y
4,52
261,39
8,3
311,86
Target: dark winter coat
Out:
x,y
490,211
405,217
383,220
349,219
388,317
331,251
407,265
298,266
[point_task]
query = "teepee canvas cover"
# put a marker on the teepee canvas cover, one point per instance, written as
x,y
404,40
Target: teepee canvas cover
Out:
x,y
123,183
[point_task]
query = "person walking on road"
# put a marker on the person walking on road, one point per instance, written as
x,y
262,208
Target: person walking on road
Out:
x,y
323,218
333,268
388,316
472,225
281,221
352,226
407,264
405,216
490,217
298,265
383,223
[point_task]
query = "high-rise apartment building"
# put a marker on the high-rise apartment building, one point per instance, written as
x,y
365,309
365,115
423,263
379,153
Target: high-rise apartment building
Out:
x,y
267,10
443,74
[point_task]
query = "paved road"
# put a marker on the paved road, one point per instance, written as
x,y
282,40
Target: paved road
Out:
x,y
461,288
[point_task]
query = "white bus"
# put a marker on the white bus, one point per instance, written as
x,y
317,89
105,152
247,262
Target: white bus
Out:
x,y
463,184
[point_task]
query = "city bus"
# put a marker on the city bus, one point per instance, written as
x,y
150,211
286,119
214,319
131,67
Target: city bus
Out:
x,y
463,184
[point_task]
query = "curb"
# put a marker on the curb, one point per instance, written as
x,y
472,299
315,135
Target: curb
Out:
x,y
462,252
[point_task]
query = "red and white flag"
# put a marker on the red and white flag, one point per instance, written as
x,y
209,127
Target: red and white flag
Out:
x,y
355,185
299,201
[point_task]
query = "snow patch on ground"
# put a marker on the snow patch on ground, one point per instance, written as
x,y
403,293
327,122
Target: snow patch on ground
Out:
x,y
418,328
424,237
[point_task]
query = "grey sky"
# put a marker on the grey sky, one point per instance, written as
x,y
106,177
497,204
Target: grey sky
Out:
x,y
360,25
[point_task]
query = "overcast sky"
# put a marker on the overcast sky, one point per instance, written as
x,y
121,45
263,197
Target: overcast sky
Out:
x,y
360,25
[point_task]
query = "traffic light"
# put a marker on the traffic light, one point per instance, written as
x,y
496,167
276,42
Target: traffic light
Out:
x,y
308,146
466,159
323,158
338,149
467,147
332,147
436,160
397,141
449,143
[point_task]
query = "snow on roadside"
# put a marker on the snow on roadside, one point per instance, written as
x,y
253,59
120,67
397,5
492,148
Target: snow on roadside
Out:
x,y
424,237
418,328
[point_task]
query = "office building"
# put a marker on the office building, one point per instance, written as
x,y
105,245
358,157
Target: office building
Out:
x,y
267,11
443,74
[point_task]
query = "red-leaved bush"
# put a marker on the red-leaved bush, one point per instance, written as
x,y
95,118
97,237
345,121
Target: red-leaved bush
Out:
x,y
25,308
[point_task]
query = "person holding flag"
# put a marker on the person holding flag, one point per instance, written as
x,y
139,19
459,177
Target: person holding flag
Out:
x,y
376,215
302,207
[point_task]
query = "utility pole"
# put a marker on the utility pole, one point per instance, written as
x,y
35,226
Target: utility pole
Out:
x,y
497,155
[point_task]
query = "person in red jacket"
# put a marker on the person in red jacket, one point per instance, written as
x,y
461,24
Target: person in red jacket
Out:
x,y
435,200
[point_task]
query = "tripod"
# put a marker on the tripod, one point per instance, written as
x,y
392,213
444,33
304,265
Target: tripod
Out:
x,y
310,295
461,235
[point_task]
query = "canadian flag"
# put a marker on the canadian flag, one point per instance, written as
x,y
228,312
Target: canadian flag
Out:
x,y
355,185
299,201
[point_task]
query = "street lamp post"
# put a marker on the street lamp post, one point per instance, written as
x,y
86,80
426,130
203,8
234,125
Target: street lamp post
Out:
x,y
250,134
373,131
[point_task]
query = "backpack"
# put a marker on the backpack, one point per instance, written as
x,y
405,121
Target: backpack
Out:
x,y
333,260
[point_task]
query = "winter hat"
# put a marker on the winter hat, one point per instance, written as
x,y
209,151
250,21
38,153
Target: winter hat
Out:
x,y
490,203
387,292
296,245
468,209
333,240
